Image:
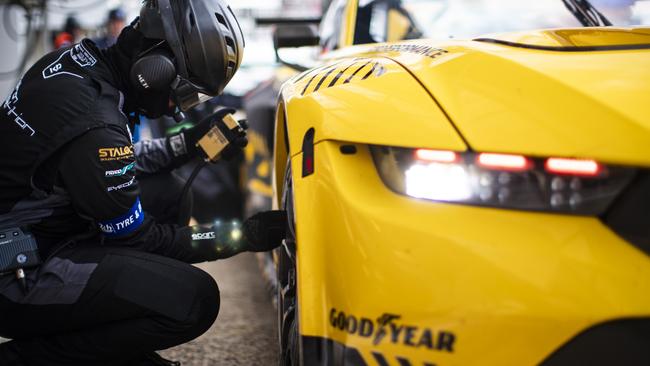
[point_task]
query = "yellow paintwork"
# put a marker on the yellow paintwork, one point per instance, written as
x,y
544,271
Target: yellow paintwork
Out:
x,y
382,104
347,26
541,103
578,37
511,286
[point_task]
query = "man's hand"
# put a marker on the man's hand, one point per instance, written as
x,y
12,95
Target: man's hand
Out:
x,y
261,232
184,143
265,230
194,134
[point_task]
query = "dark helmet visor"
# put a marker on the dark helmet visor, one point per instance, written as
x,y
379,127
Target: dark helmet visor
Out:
x,y
186,94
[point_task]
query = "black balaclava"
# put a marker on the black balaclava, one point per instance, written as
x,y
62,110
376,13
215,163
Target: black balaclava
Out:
x,y
130,44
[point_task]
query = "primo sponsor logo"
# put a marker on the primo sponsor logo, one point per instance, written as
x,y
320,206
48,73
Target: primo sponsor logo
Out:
x,y
119,172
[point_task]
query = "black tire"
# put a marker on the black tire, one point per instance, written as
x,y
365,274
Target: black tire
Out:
x,y
287,285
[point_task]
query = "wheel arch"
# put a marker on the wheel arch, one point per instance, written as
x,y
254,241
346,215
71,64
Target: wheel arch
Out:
x,y
280,154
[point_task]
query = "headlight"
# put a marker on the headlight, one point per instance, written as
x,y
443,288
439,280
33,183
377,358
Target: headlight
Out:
x,y
583,187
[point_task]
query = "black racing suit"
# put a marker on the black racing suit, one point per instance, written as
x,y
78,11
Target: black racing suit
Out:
x,y
115,282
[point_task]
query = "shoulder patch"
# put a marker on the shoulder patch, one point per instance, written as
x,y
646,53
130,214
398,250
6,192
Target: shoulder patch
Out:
x,y
81,56
60,66
63,65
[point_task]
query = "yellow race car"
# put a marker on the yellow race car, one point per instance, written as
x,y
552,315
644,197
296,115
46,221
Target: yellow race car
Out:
x,y
468,202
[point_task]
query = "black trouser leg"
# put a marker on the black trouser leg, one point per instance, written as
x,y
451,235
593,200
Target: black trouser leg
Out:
x,y
133,303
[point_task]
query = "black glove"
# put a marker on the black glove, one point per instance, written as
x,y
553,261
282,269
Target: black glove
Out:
x,y
261,232
184,142
265,231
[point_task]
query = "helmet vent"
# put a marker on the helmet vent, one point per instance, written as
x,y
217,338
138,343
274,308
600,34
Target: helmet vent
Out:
x,y
230,42
192,21
221,19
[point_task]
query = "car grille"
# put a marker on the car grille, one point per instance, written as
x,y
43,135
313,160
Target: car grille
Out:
x,y
629,217
619,342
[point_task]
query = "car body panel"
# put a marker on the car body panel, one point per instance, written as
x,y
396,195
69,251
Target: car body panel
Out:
x,y
455,284
508,297
396,109
347,35
578,37
535,102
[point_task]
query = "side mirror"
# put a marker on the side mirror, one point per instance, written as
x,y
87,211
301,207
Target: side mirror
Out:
x,y
293,36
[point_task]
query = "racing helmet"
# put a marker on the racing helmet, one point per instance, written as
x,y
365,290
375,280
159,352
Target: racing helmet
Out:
x,y
206,41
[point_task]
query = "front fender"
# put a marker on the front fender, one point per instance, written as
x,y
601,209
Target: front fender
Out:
x,y
365,100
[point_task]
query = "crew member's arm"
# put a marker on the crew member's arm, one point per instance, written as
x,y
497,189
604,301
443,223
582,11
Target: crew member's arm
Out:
x,y
98,171
168,153
159,155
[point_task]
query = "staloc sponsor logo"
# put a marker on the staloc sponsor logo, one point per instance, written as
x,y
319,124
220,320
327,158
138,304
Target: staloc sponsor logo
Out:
x,y
389,328
115,153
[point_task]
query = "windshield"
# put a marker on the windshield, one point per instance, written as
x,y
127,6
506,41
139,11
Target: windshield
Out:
x,y
392,20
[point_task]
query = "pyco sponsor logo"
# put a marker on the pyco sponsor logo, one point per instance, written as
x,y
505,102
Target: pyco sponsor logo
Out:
x,y
203,236
121,186
115,153
388,328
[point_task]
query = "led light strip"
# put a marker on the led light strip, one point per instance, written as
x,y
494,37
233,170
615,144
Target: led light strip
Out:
x,y
573,166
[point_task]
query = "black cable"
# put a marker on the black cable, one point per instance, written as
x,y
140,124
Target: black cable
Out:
x,y
188,184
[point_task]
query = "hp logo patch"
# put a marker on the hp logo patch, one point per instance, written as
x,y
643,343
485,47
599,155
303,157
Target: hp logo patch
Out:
x,y
21,258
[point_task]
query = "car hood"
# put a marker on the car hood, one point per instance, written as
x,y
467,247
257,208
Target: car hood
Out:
x,y
576,93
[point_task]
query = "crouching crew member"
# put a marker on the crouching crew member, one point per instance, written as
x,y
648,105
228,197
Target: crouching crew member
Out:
x,y
114,283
